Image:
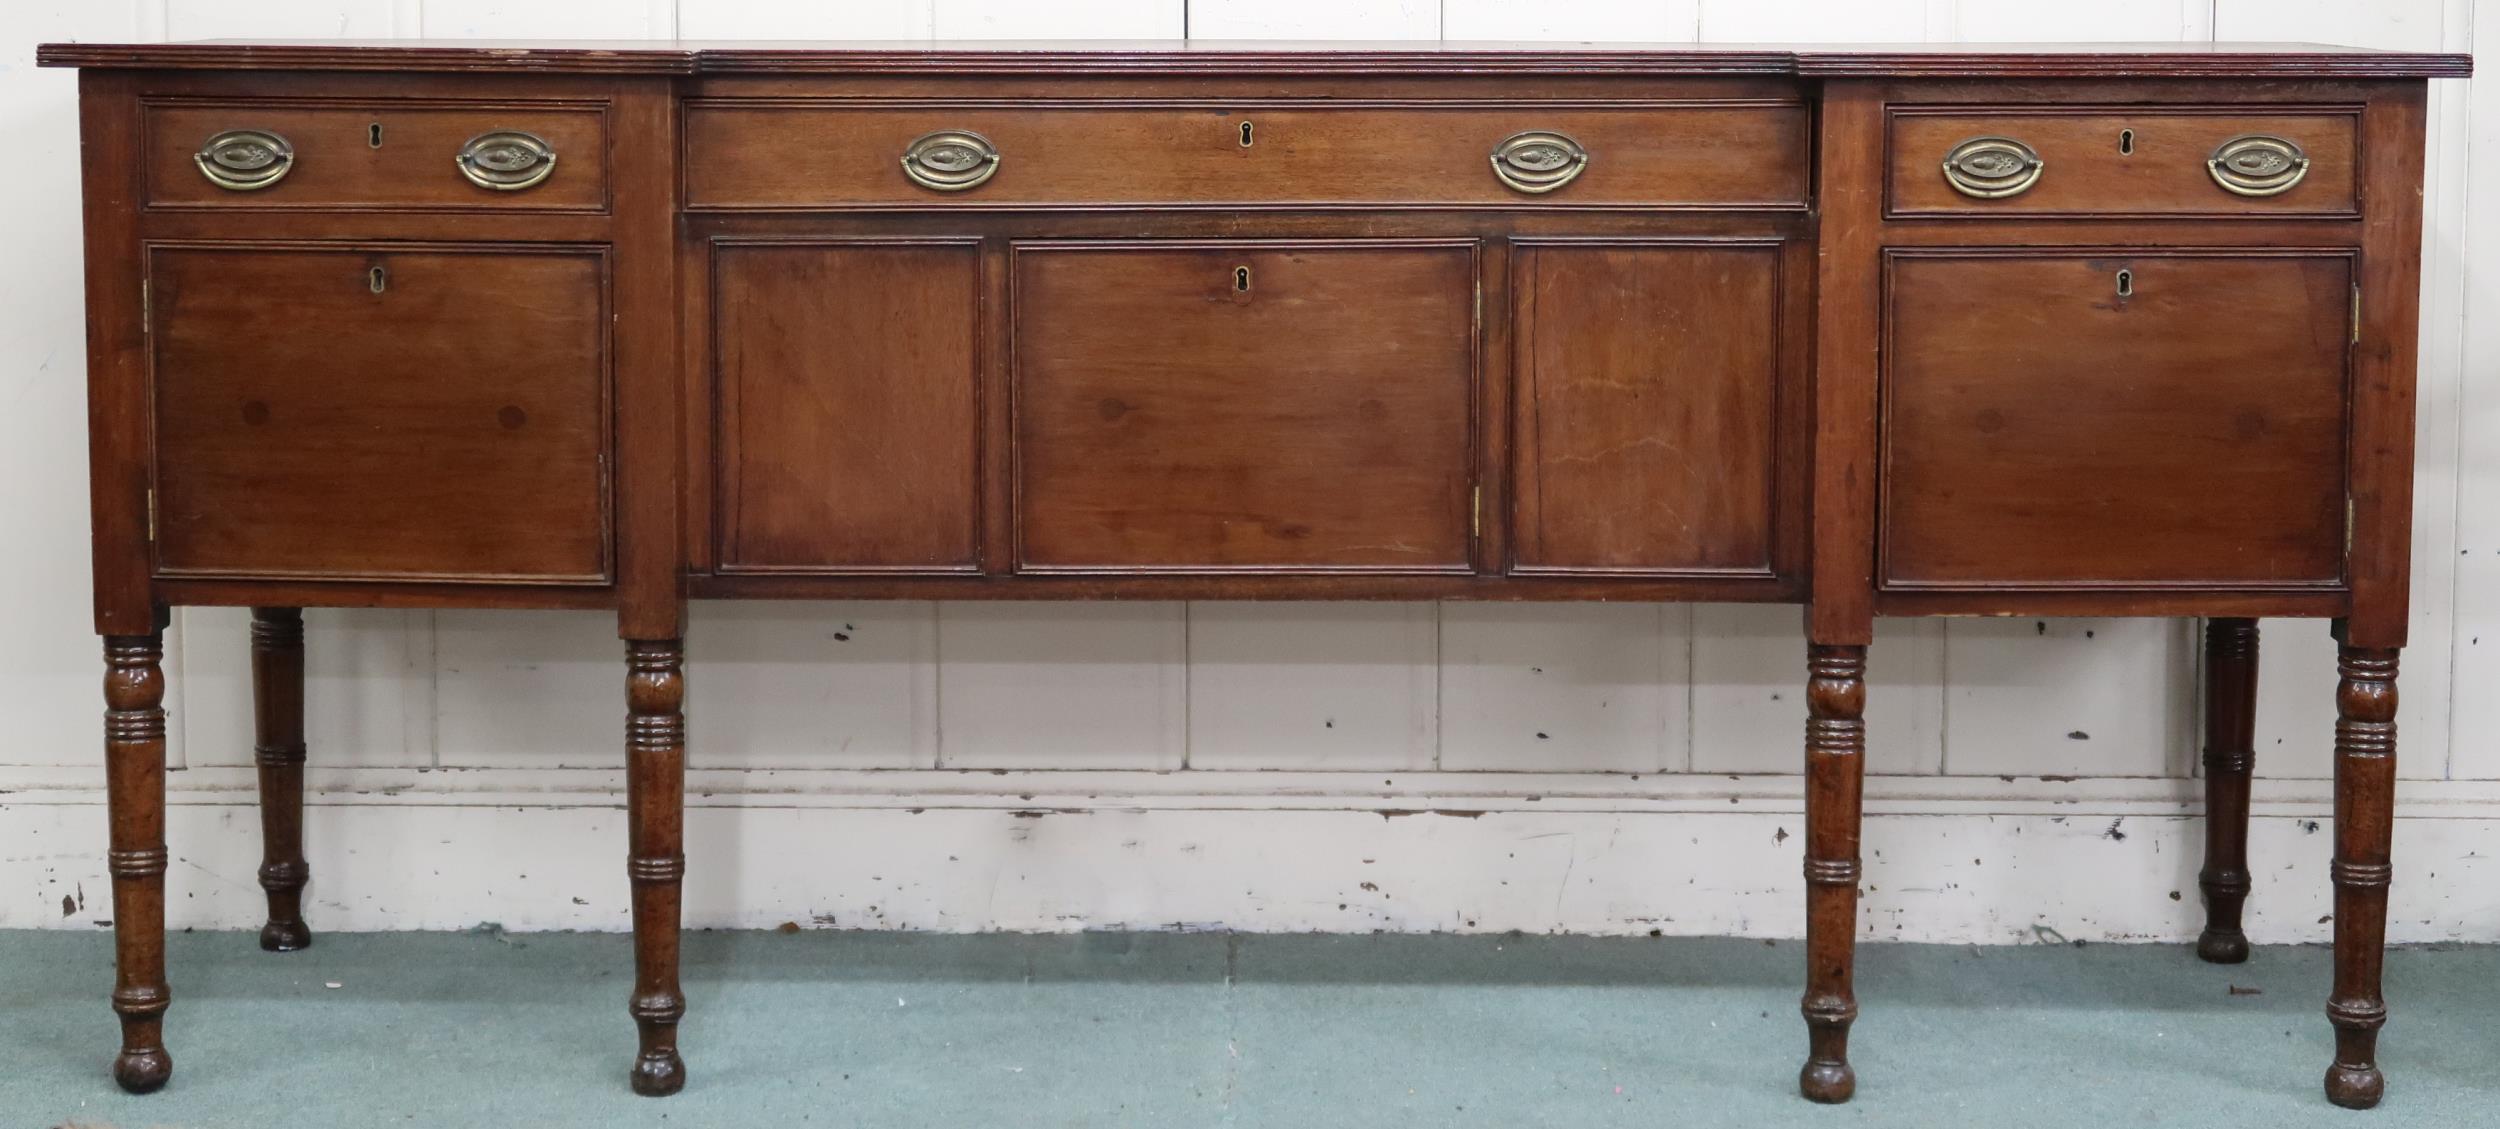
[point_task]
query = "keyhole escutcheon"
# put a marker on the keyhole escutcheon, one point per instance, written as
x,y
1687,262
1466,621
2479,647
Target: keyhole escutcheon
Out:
x,y
1245,134
2126,284
376,279
1241,280
2126,143
373,136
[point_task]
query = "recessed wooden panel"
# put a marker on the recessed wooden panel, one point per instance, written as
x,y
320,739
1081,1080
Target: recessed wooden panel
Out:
x,y
338,165
2119,161
1249,406
1647,389
1751,154
383,412
2043,430
849,406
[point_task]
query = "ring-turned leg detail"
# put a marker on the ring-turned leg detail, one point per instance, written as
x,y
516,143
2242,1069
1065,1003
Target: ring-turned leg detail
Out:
x,y
2365,793
278,751
655,795
1835,774
134,767
2230,756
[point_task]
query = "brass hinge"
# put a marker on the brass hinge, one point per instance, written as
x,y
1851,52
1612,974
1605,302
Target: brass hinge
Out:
x,y
2348,527
1475,512
147,309
151,515
2356,313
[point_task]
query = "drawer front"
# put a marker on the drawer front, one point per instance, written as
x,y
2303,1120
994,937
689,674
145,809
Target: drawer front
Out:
x,y
409,156
381,413
746,155
2041,429
2116,161
1252,406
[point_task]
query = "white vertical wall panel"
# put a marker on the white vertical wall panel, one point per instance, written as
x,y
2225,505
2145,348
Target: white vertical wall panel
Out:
x,y
803,19
1277,685
2475,719
1814,21
2108,21
2408,24
1314,19
1025,19
1748,696
2069,697
2295,737
1565,687
1634,20
368,687
290,19
1081,685
529,690
543,19
810,685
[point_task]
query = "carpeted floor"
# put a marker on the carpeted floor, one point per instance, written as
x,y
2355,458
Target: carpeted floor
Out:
x,y
1291,1032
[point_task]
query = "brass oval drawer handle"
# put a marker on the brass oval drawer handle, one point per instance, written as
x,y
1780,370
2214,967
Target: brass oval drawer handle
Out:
x,y
1992,168
950,160
2257,164
506,160
245,160
1538,161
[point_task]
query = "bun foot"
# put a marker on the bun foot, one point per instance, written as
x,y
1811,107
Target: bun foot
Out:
x,y
2355,1087
1830,1083
285,936
143,1072
2216,946
660,1074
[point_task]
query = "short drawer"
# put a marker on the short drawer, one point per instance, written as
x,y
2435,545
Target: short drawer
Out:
x,y
750,154
414,156
2123,161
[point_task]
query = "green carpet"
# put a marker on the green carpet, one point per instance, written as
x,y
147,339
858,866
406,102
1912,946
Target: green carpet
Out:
x,y
1291,1032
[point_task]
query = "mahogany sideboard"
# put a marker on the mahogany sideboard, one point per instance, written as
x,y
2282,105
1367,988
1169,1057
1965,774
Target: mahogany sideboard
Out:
x,y
2109,331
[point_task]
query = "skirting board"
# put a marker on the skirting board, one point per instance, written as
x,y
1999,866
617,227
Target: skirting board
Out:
x,y
1948,859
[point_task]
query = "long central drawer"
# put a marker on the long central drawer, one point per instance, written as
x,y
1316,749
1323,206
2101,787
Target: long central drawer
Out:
x,y
754,154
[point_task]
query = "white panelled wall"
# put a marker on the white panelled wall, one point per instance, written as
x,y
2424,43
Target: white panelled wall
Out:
x,y
1610,768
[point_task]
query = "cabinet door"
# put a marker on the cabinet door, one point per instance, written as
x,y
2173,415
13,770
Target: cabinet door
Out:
x,y
1648,382
1245,406
849,407
2113,420
381,413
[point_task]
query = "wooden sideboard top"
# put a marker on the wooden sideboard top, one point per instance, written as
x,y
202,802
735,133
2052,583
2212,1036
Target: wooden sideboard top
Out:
x,y
2109,60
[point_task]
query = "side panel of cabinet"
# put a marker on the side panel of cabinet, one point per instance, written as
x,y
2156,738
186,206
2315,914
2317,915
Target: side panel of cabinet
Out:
x,y
1647,407
2128,418
1245,406
849,406
399,412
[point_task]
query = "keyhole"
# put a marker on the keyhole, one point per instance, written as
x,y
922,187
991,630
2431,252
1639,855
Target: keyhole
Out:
x,y
1241,280
1245,135
373,135
2126,142
377,280
2126,284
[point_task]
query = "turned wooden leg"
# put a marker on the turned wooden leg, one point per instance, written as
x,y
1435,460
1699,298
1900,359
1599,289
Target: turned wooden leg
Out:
x,y
655,802
2230,754
2365,794
278,750
134,774
1835,773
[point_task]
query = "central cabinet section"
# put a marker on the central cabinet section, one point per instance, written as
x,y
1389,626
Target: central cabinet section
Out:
x,y
1245,405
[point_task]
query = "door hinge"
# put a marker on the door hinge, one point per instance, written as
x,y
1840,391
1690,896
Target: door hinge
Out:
x,y
151,515
147,308
1475,512
2348,523
2356,313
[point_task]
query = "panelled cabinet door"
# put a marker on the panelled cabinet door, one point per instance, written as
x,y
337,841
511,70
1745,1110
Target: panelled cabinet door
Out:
x,y
1648,380
381,413
1251,406
2129,418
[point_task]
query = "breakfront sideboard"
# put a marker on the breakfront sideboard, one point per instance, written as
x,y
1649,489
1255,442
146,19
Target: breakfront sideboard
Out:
x,y
2081,331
